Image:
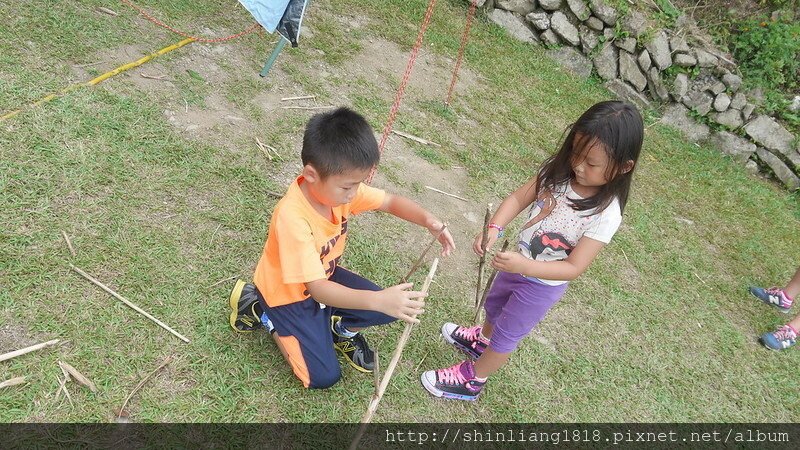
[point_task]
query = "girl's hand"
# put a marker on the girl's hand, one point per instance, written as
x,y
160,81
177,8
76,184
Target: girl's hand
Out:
x,y
511,262
446,239
492,238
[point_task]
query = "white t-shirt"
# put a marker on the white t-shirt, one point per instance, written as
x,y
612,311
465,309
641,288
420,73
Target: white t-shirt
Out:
x,y
554,237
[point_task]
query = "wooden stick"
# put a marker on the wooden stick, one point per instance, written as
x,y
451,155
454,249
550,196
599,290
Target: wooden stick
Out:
x,y
446,193
486,289
484,241
300,97
69,244
418,262
398,352
141,383
307,107
79,378
416,138
32,348
153,77
110,12
62,386
127,302
263,148
376,372
12,382
222,281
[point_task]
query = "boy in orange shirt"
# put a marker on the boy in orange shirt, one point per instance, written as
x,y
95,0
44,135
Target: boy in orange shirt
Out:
x,y
301,295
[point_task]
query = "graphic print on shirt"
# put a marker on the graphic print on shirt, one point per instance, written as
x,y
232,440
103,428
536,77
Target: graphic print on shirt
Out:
x,y
551,235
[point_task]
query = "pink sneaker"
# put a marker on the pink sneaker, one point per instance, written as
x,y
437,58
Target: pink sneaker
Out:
x,y
457,382
468,340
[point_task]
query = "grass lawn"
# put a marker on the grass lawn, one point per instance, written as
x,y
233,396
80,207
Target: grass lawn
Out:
x,y
163,192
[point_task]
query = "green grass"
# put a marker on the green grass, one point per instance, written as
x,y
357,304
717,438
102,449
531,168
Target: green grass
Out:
x,y
659,329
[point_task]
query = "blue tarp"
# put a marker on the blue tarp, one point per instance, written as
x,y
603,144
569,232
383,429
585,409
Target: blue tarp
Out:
x,y
285,16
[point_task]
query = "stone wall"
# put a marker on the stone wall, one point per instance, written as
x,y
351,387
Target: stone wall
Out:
x,y
674,69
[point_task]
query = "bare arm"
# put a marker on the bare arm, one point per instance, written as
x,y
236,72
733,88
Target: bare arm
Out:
x,y
576,263
410,211
396,301
507,211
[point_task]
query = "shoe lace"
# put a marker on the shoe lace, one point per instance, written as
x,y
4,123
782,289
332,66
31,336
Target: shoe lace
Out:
x,y
785,333
774,291
470,334
451,375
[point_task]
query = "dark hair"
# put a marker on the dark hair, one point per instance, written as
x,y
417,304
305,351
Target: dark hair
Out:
x,y
615,125
339,141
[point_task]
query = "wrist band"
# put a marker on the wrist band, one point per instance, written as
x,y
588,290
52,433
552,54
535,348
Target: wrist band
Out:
x,y
500,230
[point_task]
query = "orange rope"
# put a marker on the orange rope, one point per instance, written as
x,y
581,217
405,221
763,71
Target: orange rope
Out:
x,y
470,16
147,16
398,98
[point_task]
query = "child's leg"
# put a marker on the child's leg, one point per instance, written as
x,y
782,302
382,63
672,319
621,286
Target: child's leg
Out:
x,y
526,306
793,288
303,334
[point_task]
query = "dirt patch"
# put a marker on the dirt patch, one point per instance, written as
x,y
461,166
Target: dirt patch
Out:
x,y
14,337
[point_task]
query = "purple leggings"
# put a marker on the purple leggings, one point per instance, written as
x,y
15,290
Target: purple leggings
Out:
x,y
515,305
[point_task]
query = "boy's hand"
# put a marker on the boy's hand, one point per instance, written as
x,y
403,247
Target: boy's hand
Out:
x,y
511,262
446,239
492,238
398,301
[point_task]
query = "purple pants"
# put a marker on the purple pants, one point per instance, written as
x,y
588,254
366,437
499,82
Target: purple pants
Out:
x,y
515,305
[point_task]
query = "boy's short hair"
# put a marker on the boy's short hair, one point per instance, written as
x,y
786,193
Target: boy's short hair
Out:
x,y
339,141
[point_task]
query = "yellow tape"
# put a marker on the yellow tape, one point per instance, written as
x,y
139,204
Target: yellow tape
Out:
x,y
103,77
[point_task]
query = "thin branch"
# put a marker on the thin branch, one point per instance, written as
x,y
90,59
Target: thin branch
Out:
x,y
484,241
416,138
446,193
141,383
77,376
300,97
32,348
69,244
129,303
307,107
12,382
419,260
222,281
489,283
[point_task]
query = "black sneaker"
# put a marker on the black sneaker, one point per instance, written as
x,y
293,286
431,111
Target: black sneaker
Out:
x,y
354,349
245,310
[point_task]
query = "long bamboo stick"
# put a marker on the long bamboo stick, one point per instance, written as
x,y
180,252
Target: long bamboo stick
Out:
x,y
129,303
32,348
489,283
484,240
398,352
418,262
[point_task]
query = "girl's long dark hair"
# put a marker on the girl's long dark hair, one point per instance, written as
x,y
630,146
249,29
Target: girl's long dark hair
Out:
x,y
615,125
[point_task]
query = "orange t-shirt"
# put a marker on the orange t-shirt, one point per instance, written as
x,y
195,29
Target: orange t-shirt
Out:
x,y
303,246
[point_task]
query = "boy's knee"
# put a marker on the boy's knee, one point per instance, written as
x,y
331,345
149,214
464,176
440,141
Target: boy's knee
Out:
x,y
326,379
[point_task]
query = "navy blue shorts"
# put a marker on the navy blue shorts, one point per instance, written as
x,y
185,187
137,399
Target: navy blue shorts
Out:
x,y
304,330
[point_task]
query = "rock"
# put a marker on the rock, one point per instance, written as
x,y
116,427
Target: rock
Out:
x,y
629,71
716,88
549,38
699,101
594,23
562,27
680,86
658,47
627,44
795,105
756,95
656,85
604,12
739,148
722,102
608,33
520,7
678,45
635,24
551,5
705,59
572,60
513,24
733,81
644,60
677,116
578,7
730,118
684,60
739,101
606,61
747,111
781,170
628,93
768,133
751,167
540,20
589,38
